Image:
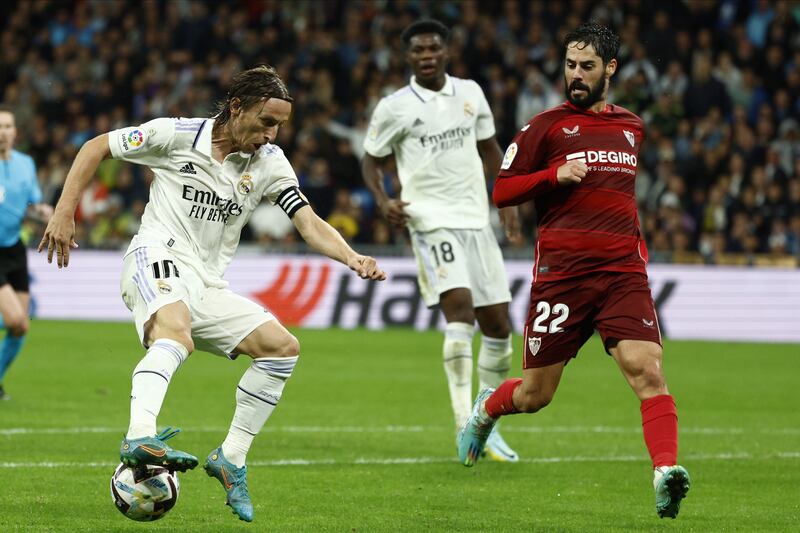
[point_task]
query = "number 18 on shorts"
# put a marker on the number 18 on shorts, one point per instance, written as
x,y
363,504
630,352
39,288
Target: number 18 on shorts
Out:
x,y
460,258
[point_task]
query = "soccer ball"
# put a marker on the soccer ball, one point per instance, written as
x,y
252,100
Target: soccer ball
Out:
x,y
144,493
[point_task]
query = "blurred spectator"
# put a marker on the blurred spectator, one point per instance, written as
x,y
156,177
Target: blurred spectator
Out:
x,y
345,215
718,84
704,91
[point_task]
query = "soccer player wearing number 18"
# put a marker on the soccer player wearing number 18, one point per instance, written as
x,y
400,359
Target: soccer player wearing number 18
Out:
x,y
441,132
578,162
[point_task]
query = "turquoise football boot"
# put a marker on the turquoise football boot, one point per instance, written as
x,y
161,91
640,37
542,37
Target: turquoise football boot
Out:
x,y
472,437
671,484
154,451
234,481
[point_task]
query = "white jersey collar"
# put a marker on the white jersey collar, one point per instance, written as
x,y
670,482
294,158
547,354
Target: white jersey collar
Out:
x,y
426,95
202,141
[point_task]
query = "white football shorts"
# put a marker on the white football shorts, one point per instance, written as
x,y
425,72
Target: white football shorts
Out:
x,y
221,319
460,258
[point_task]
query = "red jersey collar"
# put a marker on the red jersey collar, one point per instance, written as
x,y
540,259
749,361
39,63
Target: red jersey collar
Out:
x,y
589,111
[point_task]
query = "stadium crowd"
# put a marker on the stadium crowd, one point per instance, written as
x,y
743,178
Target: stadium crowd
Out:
x,y
718,85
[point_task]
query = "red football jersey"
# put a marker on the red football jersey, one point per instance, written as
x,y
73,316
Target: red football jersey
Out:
x,y
588,227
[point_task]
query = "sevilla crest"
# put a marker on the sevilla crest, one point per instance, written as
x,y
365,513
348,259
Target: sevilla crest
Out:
x,y
534,343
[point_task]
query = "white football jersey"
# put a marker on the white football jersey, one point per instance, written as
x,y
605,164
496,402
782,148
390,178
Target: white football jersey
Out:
x,y
433,137
197,206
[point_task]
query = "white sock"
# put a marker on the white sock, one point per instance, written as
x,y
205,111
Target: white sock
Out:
x,y
257,395
457,355
494,361
149,384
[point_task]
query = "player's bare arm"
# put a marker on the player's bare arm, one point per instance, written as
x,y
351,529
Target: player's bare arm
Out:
x,y
325,239
59,236
392,209
492,156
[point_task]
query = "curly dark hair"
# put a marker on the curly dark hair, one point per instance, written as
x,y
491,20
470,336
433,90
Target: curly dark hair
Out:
x,y
425,26
604,41
250,86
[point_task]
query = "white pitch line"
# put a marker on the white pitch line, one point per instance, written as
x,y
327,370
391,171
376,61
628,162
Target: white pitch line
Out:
x,y
361,461
412,429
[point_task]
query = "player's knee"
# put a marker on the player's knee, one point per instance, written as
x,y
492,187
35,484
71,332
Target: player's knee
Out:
x,y
464,314
286,346
497,330
290,347
496,327
16,324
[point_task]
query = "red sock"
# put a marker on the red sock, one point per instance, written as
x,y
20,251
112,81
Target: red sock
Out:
x,y
660,428
501,401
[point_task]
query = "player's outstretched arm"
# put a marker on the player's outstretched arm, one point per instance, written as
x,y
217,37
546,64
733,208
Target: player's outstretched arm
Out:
x,y
392,209
59,236
325,239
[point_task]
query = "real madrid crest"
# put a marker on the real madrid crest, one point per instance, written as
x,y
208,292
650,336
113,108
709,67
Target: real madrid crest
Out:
x,y
468,111
245,184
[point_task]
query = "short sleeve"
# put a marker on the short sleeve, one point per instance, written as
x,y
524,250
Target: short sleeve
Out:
x,y
484,126
147,144
384,131
283,189
526,153
35,192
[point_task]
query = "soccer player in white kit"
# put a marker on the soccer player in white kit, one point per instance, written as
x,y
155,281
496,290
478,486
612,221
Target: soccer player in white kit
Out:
x,y
210,174
441,133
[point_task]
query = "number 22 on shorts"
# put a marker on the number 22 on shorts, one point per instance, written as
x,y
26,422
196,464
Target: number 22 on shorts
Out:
x,y
560,313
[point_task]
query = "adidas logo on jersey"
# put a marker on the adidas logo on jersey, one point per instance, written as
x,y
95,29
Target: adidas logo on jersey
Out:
x,y
417,122
188,168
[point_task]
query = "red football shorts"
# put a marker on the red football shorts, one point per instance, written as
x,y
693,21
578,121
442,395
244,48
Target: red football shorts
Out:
x,y
564,314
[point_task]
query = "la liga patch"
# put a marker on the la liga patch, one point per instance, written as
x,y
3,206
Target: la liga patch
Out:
x,y
511,153
136,138
132,139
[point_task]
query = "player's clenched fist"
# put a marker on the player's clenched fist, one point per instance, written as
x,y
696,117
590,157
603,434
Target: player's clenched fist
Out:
x,y
571,172
366,267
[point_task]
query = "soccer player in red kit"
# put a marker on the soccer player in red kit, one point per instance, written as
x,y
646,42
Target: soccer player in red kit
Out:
x,y
578,162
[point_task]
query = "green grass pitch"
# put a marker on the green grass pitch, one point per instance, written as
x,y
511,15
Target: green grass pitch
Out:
x,y
363,440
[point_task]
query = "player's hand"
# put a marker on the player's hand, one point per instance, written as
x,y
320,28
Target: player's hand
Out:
x,y
571,172
509,217
59,237
366,267
393,210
